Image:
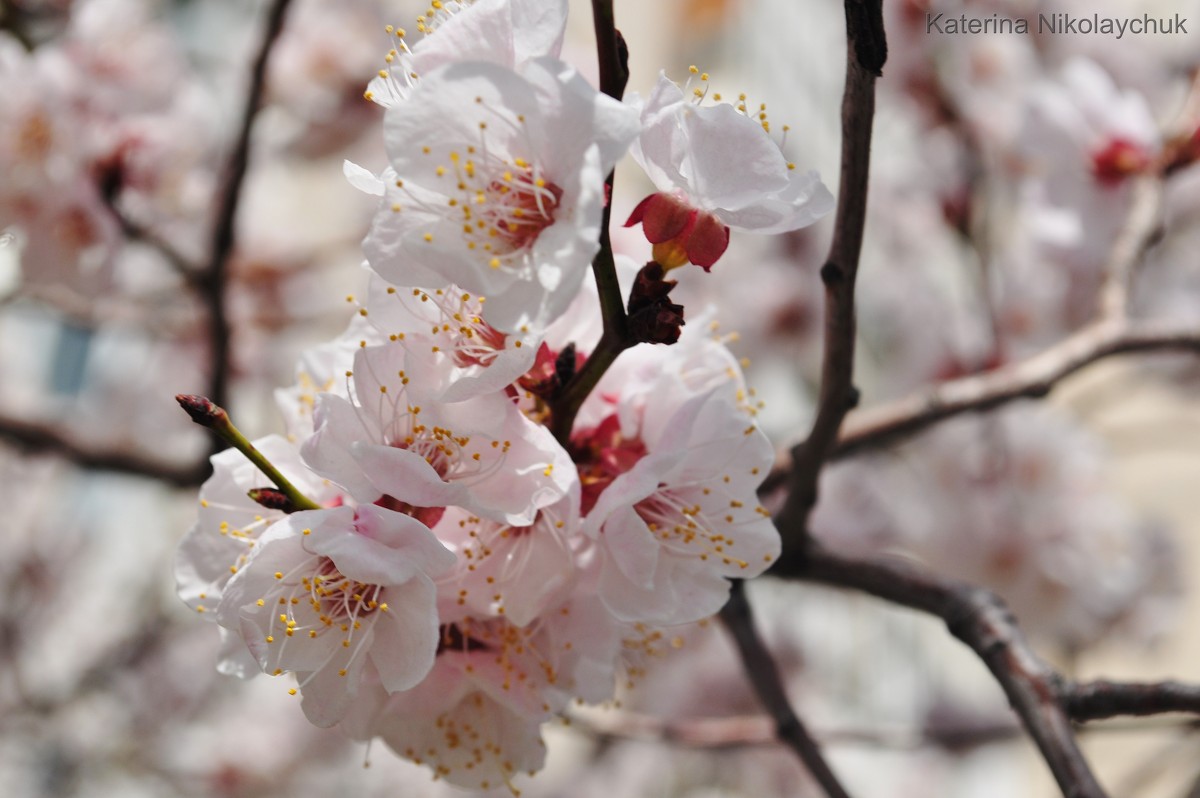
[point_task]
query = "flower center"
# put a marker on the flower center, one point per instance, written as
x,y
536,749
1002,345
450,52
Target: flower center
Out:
x,y
602,455
689,528
502,204
315,600
452,456
498,204
458,327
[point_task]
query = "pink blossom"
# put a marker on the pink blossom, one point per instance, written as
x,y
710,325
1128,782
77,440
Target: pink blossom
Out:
x,y
716,167
674,467
327,590
506,32
228,529
386,445
508,570
496,185
453,353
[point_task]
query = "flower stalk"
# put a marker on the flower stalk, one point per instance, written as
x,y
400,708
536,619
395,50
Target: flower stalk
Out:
x,y
207,414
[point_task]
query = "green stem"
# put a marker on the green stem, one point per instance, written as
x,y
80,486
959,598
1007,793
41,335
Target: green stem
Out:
x,y
207,414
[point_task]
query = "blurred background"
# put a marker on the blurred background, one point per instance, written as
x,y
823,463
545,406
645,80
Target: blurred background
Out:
x,y
1006,167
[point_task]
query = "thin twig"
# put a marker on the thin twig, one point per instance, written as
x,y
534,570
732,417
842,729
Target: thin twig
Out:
x,y
764,678
866,53
224,232
1032,378
176,259
1142,226
981,620
614,74
758,731
46,438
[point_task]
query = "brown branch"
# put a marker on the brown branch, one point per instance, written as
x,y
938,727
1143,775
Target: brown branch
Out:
x,y
224,232
1142,227
176,259
1032,378
1105,699
764,677
45,438
758,731
981,620
866,53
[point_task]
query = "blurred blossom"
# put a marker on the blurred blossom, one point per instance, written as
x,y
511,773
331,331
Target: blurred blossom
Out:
x,y
1019,503
527,576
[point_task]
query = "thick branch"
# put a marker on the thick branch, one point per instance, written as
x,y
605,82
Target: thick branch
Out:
x,y
1032,378
866,52
764,677
981,620
224,232
45,438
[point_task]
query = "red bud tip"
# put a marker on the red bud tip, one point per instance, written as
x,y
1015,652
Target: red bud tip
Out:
x,y
272,499
202,410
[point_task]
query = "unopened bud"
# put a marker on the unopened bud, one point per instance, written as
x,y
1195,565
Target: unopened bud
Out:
x,y
272,499
203,411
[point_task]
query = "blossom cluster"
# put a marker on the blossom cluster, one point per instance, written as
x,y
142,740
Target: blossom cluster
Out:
x,y
434,565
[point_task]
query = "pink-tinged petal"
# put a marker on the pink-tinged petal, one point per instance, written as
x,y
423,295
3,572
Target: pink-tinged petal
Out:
x,y
413,541
580,115
538,27
680,593
485,31
202,564
328,693
406,634
329,452
512,739
235,658
733,161
707,241
405,475
631,546
362,179
376,546
803,202
515,571
661,147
